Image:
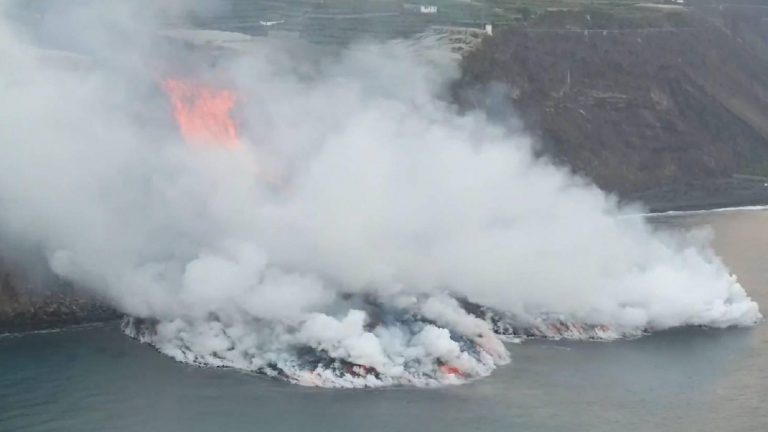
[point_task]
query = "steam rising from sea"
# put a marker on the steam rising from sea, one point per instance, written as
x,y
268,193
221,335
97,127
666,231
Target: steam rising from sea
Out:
x,y
365,233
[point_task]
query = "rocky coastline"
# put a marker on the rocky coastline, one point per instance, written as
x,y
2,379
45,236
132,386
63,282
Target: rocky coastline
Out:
x,y
25,309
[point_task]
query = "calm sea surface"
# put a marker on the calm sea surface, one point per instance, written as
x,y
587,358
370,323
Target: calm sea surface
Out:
x,y
96,379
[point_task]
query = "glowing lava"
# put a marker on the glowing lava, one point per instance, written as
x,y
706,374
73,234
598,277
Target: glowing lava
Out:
x,y
203,113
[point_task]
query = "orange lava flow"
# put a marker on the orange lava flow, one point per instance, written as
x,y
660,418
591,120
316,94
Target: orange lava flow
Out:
x,y
451,370
203,113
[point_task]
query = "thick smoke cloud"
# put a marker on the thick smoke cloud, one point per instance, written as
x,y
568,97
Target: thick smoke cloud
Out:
x,y
332,246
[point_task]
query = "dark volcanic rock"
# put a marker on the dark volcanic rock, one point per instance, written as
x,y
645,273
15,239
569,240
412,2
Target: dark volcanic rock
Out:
x,y
23,309
636,106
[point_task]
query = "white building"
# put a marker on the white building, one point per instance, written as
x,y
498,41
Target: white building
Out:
x,y
428,9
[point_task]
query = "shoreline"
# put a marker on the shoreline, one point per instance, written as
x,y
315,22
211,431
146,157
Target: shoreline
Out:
x,y
29,324
704,195
61,307
704,211
70,327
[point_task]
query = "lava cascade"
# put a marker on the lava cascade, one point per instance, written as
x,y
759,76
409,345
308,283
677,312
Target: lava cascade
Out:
x,y
203,113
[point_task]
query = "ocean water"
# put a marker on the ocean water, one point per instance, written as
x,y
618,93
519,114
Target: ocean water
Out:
x,y
96,379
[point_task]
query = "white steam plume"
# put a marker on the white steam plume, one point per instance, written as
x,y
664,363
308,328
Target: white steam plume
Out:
x,y
331,248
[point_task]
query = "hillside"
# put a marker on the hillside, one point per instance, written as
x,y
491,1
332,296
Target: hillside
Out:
x,y
641,104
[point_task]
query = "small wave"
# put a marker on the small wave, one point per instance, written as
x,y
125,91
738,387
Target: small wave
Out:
x,y
707,211
74,327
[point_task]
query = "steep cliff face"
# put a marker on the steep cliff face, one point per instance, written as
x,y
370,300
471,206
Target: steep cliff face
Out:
x,y
634,105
